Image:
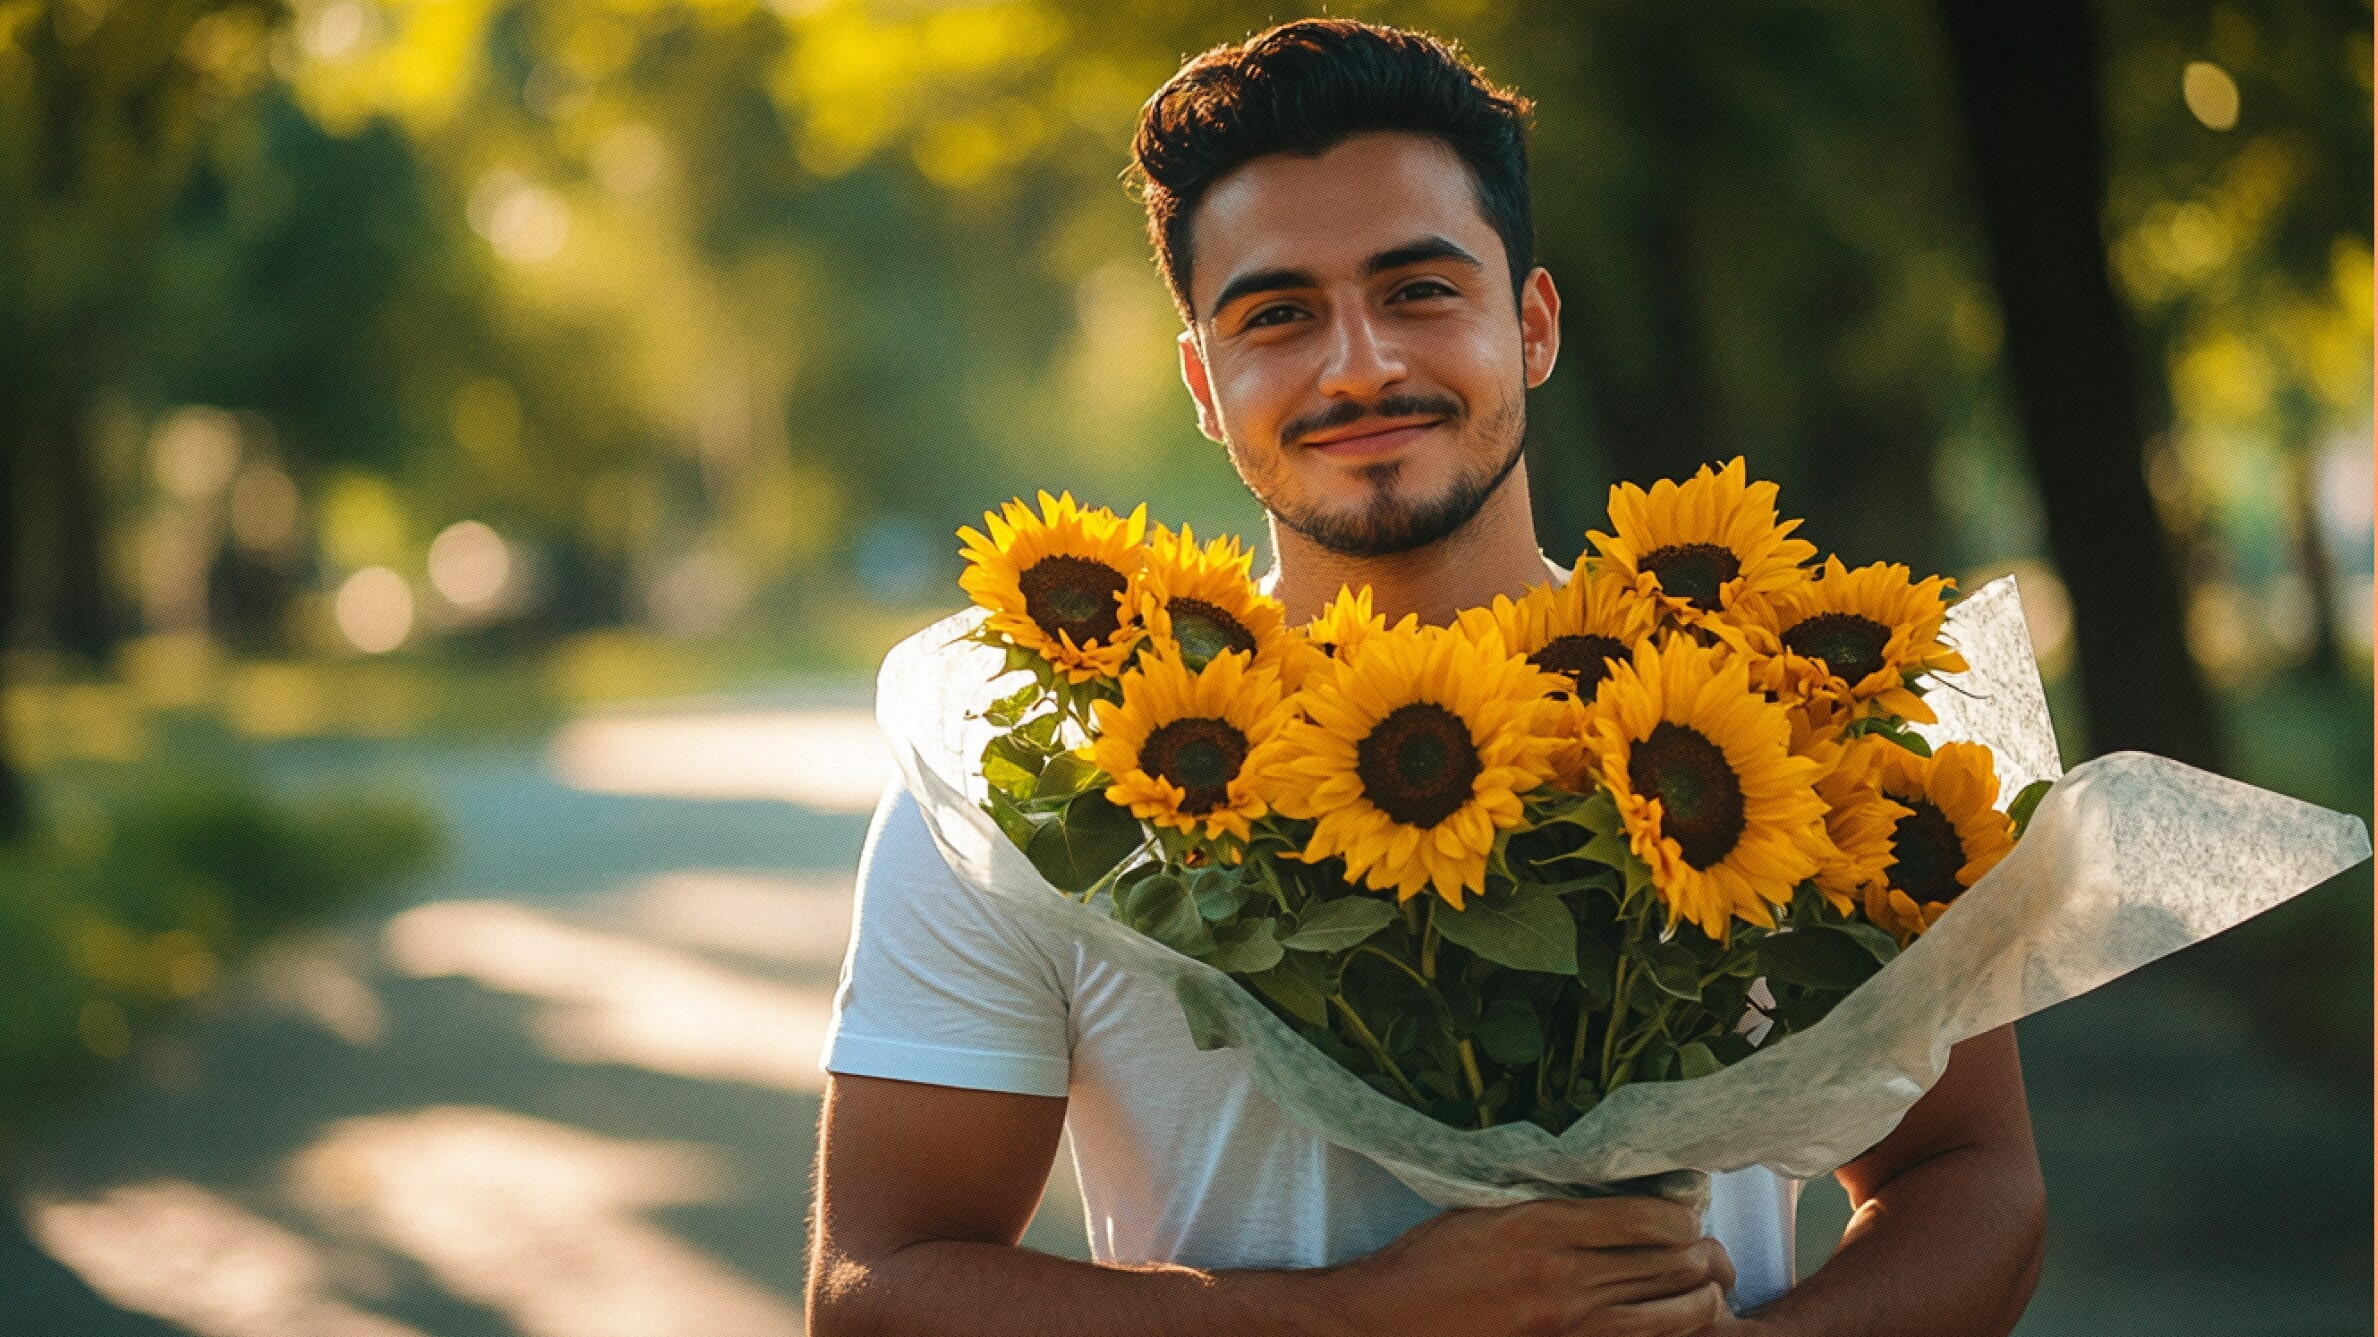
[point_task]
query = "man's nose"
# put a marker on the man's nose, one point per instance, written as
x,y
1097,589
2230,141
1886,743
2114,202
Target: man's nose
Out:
x,y
1362,359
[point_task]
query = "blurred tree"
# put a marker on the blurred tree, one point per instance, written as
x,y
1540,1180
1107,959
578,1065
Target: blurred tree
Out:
x,y
2027,86
101,110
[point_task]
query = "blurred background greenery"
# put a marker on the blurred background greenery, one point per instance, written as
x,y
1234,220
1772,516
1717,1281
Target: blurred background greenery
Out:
x,y
411,378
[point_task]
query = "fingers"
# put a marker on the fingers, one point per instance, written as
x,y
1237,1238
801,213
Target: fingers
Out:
x,y
1624,1276
1721,1269
1615,1223
1669,1316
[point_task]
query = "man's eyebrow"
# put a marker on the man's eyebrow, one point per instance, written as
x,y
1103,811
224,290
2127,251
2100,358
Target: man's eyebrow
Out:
x,y
1262,280
1396,257
1418,252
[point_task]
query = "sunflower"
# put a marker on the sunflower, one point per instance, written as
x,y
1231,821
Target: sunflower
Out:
x,y
1577,629
1859,817
1057,582
1850,641
1702,553
1334,632
1184,745
1952,835
1202,600
1711,795
1412,752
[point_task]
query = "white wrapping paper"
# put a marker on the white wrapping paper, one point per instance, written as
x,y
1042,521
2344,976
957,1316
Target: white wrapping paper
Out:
x,y
2127,858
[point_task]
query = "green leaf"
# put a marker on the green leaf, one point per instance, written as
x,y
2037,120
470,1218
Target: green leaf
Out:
x,y
1067,774
1039,732
1817,959
1655,1062
1084,842
1162,908
1137,894
1219,892
1695,1060
1008,710
1020,658
1017,752
1334,926
1288,985
1609,847
1878,944
1246,948
1670,965
1018,825
1597,970
1527,930
2025,802
1510,1032
1006,778
1599,813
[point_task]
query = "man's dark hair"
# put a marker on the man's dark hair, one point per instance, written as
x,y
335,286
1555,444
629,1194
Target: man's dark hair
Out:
x,y
1301,88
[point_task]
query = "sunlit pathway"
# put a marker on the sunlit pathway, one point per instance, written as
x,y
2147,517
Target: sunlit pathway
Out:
x,y
568,1089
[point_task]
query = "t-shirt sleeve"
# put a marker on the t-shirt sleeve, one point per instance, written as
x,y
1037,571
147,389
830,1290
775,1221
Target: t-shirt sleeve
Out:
x,y
940,985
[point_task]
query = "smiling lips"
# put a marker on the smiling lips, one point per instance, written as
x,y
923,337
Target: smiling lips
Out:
x,y
1376,442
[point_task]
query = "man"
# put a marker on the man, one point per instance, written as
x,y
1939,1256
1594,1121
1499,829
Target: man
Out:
x,y
1341,213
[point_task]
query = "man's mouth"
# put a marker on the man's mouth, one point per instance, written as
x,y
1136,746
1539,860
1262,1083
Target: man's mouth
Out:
x,y
1373,442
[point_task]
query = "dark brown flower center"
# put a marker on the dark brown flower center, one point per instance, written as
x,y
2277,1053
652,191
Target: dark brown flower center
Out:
x,y
1200,754
1700,796
1694,572
1585,659
1205,630
1851,646
1075,595
1417,765
1926,853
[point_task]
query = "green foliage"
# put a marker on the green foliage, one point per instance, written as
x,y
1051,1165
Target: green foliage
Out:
x,y
1526,928
1334,926
1085,842
137,890
2025,803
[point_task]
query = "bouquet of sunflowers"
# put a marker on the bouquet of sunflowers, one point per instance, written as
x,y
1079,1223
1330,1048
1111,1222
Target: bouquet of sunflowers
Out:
x,y
1693,860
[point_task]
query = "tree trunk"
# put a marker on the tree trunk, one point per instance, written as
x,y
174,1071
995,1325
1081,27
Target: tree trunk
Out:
x,y
2324,656
2026,81
16,805
82,616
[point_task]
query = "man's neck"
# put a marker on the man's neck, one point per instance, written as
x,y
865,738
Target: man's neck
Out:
x,y
1495,553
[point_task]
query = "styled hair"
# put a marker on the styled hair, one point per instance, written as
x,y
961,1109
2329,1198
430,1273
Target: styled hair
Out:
x,y
1302,87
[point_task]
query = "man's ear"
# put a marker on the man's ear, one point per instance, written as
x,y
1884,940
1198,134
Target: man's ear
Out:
x,y
1539,325
1193,375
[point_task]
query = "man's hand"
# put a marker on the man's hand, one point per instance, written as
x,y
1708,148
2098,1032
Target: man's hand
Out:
x,y
1566,1267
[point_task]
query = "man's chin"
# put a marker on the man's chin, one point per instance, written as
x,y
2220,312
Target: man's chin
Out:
x,y
1372,532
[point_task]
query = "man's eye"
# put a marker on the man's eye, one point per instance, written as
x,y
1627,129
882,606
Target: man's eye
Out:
x,y
1258,317
1442,290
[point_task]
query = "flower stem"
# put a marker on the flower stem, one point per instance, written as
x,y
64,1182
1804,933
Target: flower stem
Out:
x,y
1428,944
1391,959
1122,866
1371,1042
1469,1069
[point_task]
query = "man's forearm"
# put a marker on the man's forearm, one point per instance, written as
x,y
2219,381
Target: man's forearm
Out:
x,y
1950,1247
941,1287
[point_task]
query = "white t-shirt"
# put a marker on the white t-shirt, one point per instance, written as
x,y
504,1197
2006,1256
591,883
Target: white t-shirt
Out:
x,y
1180,1158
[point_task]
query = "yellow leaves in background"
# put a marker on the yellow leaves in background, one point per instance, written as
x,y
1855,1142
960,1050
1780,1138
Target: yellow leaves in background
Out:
x,y
415,60
172,964
858,81
363,520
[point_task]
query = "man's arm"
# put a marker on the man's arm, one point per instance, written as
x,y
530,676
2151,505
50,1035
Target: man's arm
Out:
x,y
923,1192
1950,1218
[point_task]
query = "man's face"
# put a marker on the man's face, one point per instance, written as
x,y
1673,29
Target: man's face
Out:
x,y
1356,344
